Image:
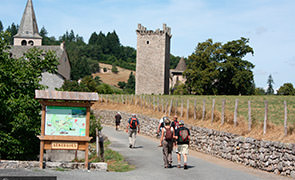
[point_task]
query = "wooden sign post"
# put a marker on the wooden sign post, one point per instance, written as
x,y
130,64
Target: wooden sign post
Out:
x,y
65,121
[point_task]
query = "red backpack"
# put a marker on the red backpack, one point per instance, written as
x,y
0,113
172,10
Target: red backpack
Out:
x,y
168,133
133,123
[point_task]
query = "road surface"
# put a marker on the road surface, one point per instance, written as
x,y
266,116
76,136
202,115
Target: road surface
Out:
x,y
147,157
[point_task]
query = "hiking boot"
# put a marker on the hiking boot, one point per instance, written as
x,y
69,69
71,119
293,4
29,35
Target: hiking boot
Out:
x,y
185,166
169,166
130,146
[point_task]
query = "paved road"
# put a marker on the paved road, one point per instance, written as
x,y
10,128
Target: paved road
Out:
x,y
147,158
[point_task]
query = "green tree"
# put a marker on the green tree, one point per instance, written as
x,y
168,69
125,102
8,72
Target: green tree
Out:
x,y
236,76
47,40
259,91
270,81
122,84
93,39
130,86
13,31
286,89
202,72
114,68
79,68
1,26
19,110
174,60
220,69
180,89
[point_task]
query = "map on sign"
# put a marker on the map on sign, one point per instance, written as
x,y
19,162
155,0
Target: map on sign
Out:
x,y
65,121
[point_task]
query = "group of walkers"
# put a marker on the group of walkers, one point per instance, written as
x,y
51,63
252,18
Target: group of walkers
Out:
x,y
172,135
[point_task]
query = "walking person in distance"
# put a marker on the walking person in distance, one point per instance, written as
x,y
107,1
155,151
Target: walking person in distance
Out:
x,y
133,127
118,120
182,135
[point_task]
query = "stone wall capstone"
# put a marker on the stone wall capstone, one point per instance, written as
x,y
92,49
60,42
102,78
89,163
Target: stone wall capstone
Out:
x,y
275,157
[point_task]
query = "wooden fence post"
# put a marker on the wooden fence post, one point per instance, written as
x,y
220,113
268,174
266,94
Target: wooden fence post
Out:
x,y
195,109
265,116
249,116
154,103
204,110
158,104
236,113
222,112
122,99
187,109
162,102
285,119
212,113
181,113
170,108
136,100
176,105
166,109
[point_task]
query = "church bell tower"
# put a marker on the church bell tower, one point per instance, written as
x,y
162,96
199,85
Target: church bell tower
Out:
x,y
28,34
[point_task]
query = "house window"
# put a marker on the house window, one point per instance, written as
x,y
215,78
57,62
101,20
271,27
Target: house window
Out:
x,y
31,43
24,42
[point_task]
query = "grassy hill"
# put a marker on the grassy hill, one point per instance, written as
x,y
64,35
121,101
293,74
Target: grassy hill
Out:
x,y
112,78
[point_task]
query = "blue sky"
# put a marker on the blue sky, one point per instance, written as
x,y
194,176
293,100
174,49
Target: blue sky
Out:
x,y
269,24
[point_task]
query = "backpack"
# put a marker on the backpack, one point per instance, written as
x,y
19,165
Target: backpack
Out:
x,y
168,133
176,124
133,123
183,135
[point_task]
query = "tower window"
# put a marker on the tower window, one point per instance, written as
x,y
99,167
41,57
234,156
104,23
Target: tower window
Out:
x,y
24,42
31,43
147,42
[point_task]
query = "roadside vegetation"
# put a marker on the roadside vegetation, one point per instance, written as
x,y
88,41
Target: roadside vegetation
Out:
x,y
115,160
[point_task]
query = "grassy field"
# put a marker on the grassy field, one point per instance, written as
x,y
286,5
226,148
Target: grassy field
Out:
x,y
275,106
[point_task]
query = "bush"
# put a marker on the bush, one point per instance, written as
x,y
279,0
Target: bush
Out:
x,y
94,123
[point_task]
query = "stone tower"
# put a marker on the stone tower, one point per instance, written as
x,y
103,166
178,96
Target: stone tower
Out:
x,y
28,34
152,60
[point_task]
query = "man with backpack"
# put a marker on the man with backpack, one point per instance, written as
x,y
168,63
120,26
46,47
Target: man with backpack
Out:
x,y
118,120
182,135
175,125
133,127
167,142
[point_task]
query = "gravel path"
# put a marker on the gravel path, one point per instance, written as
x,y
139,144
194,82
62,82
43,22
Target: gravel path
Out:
x,y
147,158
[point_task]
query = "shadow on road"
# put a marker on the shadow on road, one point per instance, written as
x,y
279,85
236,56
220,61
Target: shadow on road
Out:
x,y
137,147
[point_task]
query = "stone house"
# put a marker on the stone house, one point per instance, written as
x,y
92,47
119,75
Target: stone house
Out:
x,y
176,75
28,36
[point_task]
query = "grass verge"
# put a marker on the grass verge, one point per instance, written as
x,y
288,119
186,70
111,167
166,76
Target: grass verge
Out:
x,y
115,160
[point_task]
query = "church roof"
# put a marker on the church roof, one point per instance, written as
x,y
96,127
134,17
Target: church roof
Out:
x,y
64,65
181,66
28,27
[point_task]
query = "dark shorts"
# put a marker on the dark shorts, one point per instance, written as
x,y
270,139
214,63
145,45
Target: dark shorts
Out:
x,y
117,123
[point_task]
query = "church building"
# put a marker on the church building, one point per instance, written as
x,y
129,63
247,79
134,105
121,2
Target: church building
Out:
x,y
28,36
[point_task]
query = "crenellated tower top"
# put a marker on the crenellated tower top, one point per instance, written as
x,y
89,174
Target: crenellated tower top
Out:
x,y
143,31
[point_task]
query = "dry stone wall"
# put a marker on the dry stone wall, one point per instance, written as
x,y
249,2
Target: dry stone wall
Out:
x,y
275,157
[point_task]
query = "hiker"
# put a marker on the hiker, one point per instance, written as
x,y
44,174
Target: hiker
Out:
x,y
182,135
161,125
167,142
133,126
118,120
175,125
